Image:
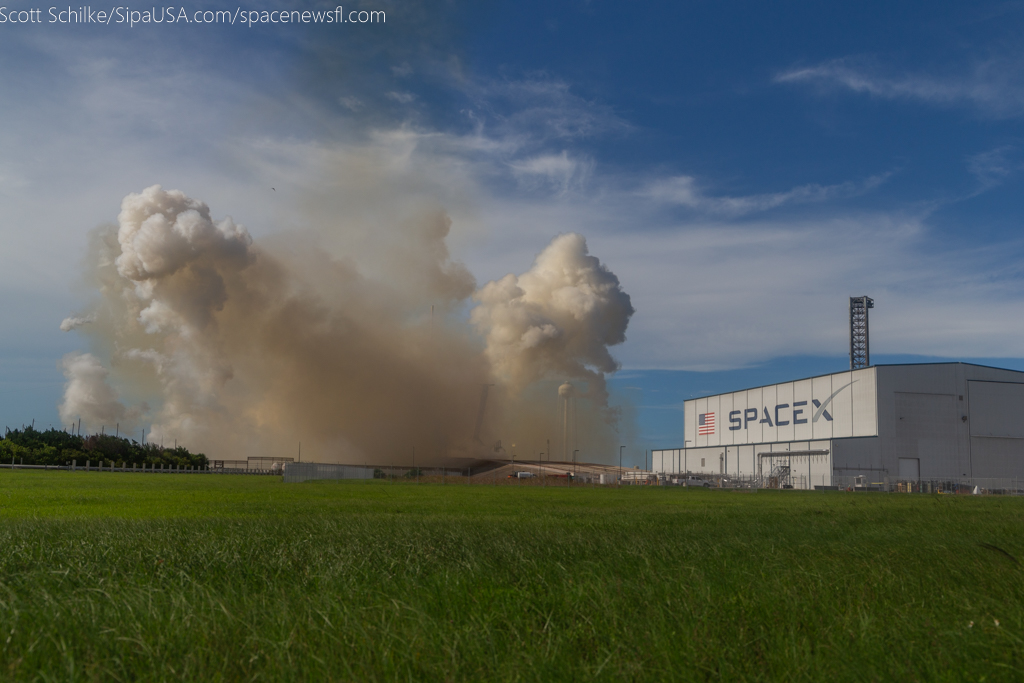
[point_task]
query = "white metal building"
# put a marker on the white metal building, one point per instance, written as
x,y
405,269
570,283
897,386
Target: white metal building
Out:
x,y
932,421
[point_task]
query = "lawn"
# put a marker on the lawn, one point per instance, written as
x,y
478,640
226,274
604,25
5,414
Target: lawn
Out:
x,y
107,576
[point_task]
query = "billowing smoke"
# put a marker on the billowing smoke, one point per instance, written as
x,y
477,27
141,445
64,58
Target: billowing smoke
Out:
x,y
556,320
247,349
87,395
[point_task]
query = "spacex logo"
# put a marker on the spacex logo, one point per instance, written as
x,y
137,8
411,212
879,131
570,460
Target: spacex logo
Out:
x,y
783,414
821,412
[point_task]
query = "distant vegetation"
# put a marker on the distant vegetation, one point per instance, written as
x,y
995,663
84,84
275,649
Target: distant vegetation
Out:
x,y
56,447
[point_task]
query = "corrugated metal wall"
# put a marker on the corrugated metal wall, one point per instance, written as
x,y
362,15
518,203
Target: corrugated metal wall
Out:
x,y
926,429
997,429
295,472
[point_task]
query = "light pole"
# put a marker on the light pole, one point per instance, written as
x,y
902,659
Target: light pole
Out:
x,y
620,464
574,461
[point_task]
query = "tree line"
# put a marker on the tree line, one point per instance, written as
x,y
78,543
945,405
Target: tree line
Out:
x,y
57,447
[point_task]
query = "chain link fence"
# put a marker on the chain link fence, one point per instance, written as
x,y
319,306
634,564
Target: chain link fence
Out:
x,y
1010,486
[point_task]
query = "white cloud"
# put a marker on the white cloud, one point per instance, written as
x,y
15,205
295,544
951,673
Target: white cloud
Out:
x,y
992,167
684,191
558,171
353,104
994,87
401,97
542,108
718,295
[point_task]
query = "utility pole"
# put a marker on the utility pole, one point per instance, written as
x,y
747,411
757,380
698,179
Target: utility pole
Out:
x,y
620,464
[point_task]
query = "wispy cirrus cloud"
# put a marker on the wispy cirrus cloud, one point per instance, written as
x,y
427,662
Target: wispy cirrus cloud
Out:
x,y
543,107
992,167
561,172
685,191
401,97
994,87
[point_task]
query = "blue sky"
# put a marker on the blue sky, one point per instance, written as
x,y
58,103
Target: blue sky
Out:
x,y
742,167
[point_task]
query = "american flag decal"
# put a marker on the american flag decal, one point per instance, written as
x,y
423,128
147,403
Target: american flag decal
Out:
x,y
706,424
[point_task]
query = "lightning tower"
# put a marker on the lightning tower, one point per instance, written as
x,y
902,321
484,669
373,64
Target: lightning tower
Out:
x,y
860,353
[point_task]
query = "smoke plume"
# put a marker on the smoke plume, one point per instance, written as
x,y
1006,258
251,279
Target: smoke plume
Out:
x,y
556,320
247,349
87,395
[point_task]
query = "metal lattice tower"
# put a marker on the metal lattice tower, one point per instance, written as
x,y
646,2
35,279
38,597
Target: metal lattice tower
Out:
x,y
860,354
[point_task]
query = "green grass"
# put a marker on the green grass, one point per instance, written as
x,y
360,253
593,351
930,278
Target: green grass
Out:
x,y
143,577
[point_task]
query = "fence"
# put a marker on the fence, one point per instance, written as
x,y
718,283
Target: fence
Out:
x,y
486,475
491,476
965,485
111,466
860,483
711,481
107,466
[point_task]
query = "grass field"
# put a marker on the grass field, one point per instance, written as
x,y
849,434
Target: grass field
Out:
x,y
144,577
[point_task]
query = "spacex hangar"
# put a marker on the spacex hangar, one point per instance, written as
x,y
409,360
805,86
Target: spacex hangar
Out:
x,y
871,424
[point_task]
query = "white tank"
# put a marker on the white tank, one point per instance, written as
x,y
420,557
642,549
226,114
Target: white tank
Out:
x,y
566,390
